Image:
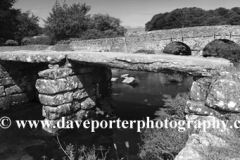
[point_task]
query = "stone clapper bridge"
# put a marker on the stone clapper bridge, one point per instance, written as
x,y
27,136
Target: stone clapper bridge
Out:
x,y
77,84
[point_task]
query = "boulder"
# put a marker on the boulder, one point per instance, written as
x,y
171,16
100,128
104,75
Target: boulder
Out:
x,y
124,75
114,79
177,48
218,143
129,80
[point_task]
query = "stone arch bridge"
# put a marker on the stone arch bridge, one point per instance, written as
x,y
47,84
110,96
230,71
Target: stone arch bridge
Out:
x,y
195,37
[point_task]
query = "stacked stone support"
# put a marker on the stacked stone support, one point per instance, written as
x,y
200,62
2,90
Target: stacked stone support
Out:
x,y
214,100
17,82
74,91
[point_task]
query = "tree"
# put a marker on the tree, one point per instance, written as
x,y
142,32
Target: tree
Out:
x,y
236,10
8,19
103,26
67,21
27,26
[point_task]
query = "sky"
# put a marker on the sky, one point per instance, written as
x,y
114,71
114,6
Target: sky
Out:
x,y
133,13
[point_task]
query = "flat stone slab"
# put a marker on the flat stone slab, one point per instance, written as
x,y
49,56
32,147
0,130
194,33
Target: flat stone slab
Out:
x,y
144,62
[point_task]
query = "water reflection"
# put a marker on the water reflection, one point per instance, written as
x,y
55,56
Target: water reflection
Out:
x,y
144,99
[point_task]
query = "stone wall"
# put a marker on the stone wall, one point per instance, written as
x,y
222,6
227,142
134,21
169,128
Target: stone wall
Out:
x,y
117,44
17,82
74,91
212,100
196,37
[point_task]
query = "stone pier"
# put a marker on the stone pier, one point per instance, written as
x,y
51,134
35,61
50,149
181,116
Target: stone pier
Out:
x,y
214,100
74,91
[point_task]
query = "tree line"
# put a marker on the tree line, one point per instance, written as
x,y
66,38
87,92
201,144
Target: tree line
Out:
x,y
15,24
193,16
64,22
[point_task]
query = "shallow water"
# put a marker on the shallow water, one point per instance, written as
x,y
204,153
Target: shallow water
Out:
x,y
130,103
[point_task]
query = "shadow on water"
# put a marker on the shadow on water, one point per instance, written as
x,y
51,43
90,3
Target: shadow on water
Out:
x,y
130,103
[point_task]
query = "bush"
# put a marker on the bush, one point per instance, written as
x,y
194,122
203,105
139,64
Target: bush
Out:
x,y
174,78
11,43
161,144
177,48
43,40
174,107
223,48
25,41
145,51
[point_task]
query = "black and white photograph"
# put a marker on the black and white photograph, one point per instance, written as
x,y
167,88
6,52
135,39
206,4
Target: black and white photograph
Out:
x,y
119,80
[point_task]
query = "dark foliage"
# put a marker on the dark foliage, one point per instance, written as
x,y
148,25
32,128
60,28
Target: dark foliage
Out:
x,y
190,17
11,42
65,22
8,19
25,41
177,48
15,24
223,48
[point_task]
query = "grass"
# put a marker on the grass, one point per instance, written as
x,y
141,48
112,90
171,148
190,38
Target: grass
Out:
x,y
174,107
161,144
165,143
73,152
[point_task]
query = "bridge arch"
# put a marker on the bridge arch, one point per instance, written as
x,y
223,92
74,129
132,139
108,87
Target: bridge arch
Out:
x,y
177,48
223,48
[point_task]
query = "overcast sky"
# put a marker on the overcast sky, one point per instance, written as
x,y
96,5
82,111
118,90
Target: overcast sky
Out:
x,y
132,13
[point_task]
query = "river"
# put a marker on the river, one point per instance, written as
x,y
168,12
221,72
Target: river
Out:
x,y
130,103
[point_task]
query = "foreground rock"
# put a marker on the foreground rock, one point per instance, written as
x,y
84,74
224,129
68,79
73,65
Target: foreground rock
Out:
x,y
214,99
217,143
154,63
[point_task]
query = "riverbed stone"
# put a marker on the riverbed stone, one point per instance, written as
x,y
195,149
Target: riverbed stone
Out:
x,y
58,85
224,95
55,100
55,73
